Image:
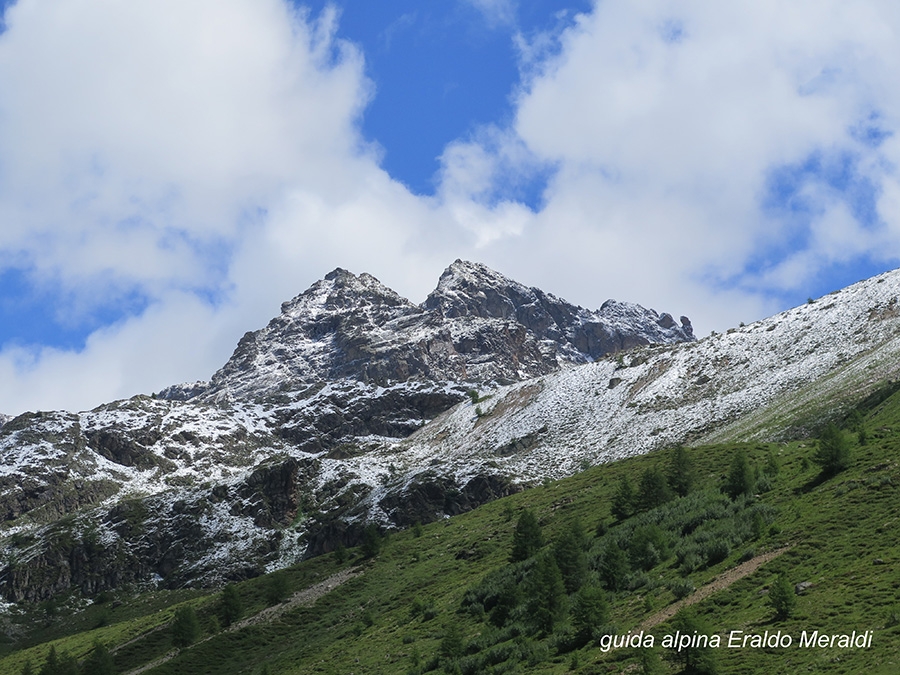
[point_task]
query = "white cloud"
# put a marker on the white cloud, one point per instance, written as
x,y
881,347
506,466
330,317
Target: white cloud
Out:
x,y
667,122
168,147
497,12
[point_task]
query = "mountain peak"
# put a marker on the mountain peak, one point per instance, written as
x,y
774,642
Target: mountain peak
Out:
x,y
476,326
474,289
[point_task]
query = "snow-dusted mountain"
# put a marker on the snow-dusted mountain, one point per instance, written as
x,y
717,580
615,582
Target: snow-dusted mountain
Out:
x,y
477,326
268,460
355,404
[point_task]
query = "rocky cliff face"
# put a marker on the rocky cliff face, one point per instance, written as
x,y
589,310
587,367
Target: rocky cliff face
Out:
x,y
476,327
289,448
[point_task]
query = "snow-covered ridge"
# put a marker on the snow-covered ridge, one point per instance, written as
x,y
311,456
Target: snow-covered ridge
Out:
x,y
760,381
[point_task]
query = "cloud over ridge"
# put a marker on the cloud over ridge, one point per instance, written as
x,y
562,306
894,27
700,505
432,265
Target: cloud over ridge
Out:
x,y
207,159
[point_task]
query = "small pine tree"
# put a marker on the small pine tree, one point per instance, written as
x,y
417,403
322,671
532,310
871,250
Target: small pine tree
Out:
x,y
589,611
98,662
546,594
51,664
68,665
681,475
614,568
623,502
372,541
276,588
653,490
230,606
340,554
185,627
781,597
740,476
571,558
508,600
452,642
527,537
650,662
833,452
696,660
27,669
773,466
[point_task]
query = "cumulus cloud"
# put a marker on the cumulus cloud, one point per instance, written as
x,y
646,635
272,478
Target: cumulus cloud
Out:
x,y
671,127
170,150
206,157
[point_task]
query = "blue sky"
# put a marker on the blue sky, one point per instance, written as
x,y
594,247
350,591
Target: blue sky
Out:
x,y
171,172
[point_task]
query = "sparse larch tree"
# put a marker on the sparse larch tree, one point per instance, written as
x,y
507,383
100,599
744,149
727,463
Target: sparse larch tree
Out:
x,y
833,451
527,538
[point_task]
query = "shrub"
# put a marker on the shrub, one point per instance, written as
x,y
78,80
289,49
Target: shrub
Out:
x,y
649,546
682,588
716,551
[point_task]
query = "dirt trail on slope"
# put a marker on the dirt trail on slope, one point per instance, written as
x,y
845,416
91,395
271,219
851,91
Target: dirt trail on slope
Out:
x,y
720,583
307,596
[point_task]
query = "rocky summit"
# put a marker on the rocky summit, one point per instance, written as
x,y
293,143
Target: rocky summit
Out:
x,y
292,446
477,326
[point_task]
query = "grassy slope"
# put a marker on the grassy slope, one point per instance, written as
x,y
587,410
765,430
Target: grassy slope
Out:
x,y
837,528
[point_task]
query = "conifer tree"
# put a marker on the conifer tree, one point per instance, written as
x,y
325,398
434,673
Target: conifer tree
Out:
x,y
546,594
681,475
51,665
740,476
697,660
372,541
527,538
571,557
185,627
781,597
276,588
614,568
59,664
623,502
589,611
230,607
98,662
833,452
452,642
653,490
507,601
